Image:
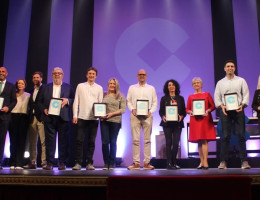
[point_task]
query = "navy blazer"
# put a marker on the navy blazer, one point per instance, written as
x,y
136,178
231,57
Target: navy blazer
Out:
x,y
66,92
36,106
10,100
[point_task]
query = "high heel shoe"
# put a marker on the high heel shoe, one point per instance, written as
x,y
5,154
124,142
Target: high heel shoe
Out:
x,y
200,167
205,168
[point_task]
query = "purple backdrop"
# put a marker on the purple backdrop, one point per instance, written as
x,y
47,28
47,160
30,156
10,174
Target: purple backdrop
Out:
x,y
169,39
248,51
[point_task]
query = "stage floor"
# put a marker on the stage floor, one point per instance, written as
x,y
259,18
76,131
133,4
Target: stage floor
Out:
x,y
98,177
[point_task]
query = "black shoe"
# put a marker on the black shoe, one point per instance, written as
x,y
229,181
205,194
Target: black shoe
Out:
x,y
30,166
176,166
1,167
172,167
205,168
200,167
62,166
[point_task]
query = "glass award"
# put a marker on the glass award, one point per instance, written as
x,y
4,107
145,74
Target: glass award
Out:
x,y
55,106
1,102
198,107
142,107
100,109
171,113
231,101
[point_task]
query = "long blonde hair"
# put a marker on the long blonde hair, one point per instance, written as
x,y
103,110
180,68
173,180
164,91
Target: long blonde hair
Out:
x,y
258,85
117,88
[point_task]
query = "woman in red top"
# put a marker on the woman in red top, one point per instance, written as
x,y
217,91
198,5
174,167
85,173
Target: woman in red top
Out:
x,y
202,127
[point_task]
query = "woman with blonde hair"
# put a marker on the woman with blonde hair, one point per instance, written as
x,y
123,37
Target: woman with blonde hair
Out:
x,y
256,102
202,127
111,123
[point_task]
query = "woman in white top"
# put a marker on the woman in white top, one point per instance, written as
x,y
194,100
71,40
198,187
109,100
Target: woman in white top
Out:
x,y
18,126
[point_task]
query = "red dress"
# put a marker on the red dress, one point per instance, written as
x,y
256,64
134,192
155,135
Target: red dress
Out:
x,y
201,127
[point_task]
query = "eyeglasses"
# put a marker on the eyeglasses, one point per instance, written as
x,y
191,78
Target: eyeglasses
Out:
x,y
57,73
141,74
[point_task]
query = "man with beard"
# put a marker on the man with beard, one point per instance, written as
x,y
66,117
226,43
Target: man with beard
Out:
x,y
36,126
57,123
8,99
232,84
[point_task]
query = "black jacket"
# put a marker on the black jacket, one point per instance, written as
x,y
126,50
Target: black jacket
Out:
x,y
165,101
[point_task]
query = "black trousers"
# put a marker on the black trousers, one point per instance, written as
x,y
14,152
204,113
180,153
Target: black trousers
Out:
x,y
172,137
54,126
4,124
86,128
18,132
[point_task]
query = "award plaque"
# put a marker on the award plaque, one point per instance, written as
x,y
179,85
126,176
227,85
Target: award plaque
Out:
x,y
142,107
198,107
231,101
100,109
55,106
1,102
171,113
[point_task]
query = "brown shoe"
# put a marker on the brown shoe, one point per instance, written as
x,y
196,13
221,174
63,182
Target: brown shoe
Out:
x,y
147,166
62,166
30,166
48,167
134,167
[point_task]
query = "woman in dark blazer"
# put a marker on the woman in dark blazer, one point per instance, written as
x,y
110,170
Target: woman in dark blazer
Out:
x,y
172,129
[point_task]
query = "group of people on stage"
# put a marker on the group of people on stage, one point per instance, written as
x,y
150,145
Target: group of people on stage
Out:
x,y
23,112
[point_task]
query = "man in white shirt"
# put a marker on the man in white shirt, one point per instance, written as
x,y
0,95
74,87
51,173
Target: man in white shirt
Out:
x,y
229,85
87,94
141,91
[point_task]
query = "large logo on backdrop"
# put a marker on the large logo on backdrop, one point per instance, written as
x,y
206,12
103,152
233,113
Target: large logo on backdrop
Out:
x,y
150,44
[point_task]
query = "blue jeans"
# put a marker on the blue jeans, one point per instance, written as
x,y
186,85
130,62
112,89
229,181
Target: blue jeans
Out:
x,y
109,133
238,118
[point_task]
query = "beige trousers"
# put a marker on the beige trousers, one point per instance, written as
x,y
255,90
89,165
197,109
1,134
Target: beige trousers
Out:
x,y
34,128
136,124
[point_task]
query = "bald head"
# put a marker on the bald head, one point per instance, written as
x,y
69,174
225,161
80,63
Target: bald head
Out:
x,y
3,73
142,76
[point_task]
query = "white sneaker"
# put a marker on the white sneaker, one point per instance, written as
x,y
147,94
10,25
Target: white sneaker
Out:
x,y
245,165
222,165
18,167
90,167
76,167
12,167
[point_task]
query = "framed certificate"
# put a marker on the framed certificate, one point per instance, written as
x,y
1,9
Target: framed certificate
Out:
x,y
142,107
100,109
198,106
171,113
231,101
55,106
1,102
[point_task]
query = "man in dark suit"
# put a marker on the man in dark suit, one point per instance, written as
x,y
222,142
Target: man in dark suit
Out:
x,y
57,123
8,96
36,126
